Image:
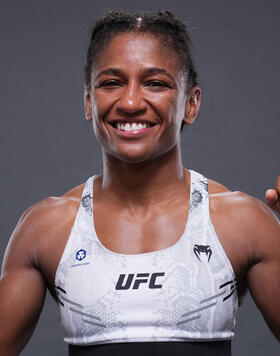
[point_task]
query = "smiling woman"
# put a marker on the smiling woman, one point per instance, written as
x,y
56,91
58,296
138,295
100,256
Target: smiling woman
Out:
x,y
144,86
147,258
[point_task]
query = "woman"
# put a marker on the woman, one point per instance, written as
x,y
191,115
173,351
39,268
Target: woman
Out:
x,y
147,257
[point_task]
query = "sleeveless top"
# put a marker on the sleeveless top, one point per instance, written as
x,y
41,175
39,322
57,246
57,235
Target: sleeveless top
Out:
x,y
186,292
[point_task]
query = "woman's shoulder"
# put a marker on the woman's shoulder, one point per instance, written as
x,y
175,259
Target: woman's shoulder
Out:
x,y
242,213
41,227
45,217
54,207
236,202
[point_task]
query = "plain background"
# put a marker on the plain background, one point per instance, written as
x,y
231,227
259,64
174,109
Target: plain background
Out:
x,y
47,147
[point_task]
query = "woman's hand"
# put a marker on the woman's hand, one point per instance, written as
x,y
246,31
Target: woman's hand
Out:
x,y
272,196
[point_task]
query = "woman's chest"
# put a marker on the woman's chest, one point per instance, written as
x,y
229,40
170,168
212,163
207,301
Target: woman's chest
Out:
x,y
190,280
125,233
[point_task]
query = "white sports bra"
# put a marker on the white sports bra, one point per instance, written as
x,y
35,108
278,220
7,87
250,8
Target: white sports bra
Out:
x,y
186,292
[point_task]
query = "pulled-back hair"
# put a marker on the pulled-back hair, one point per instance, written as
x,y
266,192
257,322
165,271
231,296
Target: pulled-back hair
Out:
x,y
171,30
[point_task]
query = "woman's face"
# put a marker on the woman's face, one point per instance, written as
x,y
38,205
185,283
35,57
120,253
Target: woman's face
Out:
x,y
137,99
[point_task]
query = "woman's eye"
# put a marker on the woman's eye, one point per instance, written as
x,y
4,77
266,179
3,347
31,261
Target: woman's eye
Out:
x,y
157,84
109,83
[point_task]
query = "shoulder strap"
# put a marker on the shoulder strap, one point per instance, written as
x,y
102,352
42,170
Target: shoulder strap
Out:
x,y
84,217
199,200
87,196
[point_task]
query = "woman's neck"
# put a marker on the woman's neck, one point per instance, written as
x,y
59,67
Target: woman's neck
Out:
x,y
146,183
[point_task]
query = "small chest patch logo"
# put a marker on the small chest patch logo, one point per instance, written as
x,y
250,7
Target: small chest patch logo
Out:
x,y
201,249
81,254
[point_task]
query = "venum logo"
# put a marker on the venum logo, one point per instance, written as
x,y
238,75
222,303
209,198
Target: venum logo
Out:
x,y
200,249
125,281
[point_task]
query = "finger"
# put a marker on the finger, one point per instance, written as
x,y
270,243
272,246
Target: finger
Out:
x,y
277,186
272,200
271,197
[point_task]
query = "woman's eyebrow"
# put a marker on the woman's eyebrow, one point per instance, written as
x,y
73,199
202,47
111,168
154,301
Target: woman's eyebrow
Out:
x,y
113,71
119,72
108,71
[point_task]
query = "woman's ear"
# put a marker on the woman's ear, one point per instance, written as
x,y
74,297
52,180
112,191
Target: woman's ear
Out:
x,y
192,105
87,103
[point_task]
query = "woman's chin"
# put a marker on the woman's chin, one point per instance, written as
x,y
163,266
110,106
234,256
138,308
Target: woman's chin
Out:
x,y
141,157
131,157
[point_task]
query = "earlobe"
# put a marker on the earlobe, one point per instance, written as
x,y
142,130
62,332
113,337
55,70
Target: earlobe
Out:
x,y
87,104
192,105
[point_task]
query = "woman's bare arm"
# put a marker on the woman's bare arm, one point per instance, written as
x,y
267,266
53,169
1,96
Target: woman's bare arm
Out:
x,y
263,277
22,287
250,234
30,263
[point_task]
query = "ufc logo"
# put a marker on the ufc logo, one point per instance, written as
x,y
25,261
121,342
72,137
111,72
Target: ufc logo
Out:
x,y
125,282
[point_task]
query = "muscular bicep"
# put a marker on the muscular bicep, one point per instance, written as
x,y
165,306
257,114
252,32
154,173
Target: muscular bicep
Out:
x,y
264,276
264,285
22,292
21,298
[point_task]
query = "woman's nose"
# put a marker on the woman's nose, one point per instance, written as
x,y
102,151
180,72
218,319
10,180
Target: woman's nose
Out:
x,y
131,100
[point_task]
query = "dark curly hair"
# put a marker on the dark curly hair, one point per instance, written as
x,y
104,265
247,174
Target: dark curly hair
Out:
x,y
164,24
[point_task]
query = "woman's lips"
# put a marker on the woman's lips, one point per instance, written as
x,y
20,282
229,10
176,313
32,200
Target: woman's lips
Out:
x,y
133,133
132,129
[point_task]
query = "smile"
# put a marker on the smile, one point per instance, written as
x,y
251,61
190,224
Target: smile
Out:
x,y
131,126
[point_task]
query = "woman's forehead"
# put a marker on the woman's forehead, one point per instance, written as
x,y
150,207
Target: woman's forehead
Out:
x,y
141,49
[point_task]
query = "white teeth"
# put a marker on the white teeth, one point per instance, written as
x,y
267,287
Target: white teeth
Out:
x,y
133,126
